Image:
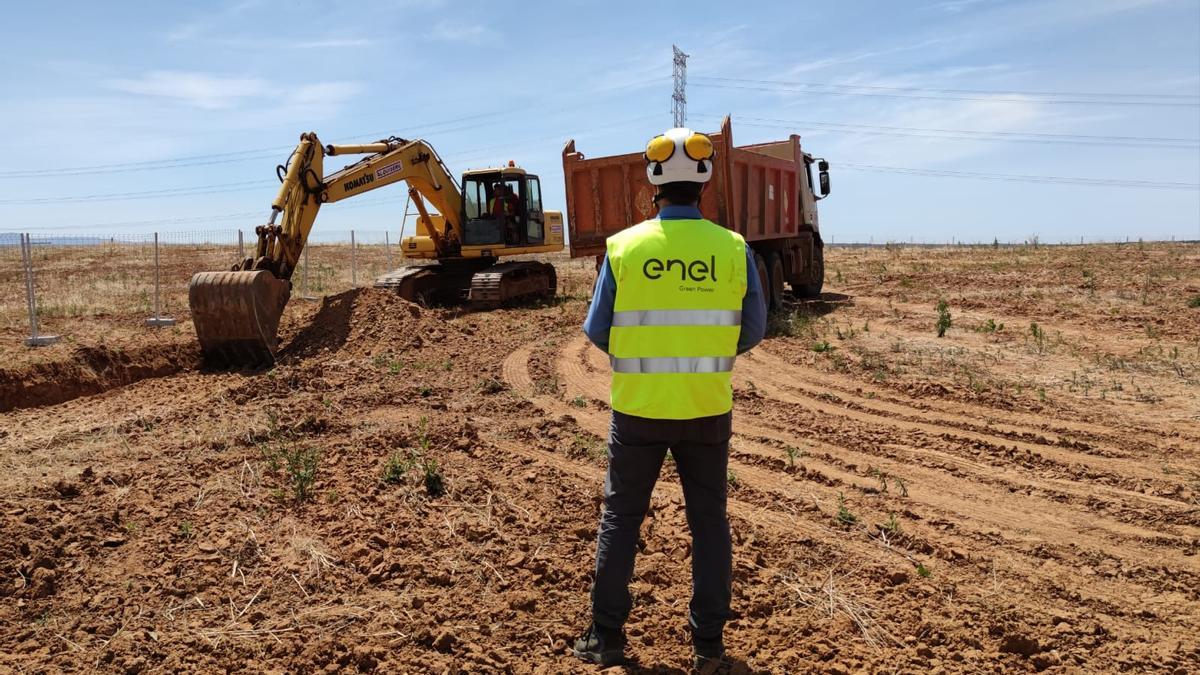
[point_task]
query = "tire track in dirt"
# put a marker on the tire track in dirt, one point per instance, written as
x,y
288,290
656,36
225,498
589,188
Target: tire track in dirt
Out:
x,y
978,418
1182,420
785,390
752,372
580,366
1032,467
585,370
981,505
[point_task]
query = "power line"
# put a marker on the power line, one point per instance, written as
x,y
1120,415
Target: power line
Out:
x,y
233,187
266,153
801,89
1063,180
147,194
965,134
993,92
238,215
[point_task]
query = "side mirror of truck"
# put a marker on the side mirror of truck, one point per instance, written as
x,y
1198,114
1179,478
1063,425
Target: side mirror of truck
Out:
x,y
823,177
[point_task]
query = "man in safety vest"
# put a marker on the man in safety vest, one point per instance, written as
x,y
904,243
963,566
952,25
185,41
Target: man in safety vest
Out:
x,y
676,300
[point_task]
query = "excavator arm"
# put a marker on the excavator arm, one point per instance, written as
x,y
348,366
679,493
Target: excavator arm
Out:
x,y
237,313
304,189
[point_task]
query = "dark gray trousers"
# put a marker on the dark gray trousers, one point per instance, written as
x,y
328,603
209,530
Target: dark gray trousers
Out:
x,y
636,449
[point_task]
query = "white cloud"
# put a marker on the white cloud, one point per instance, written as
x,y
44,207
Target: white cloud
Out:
x,y
956,6
998,115
213,92
325,92
199,90
456,32
333,43
212,19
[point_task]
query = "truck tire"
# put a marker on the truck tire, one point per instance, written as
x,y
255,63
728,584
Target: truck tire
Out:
x,y
816,279
775,268
763,278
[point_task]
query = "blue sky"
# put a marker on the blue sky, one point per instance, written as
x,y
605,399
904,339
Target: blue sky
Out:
x,y
122,83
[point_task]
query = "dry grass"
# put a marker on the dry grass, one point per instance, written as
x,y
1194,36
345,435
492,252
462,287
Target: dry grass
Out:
x,y
832,599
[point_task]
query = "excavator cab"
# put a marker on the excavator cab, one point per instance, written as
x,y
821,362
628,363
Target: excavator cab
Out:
x,y
503,208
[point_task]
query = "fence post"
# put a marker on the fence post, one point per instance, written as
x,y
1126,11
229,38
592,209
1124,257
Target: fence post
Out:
x,y
304,277
34,340
241,248
387,251
158,320
353,262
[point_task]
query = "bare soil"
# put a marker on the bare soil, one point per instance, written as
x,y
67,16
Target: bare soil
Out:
x,y
1003,498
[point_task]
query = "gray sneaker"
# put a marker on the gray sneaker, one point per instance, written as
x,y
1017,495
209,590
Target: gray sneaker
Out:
x,y
602,646
709,657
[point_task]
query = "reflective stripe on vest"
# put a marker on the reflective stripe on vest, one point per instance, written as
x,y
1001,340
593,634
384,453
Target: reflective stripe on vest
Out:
x,y
672,364
678,317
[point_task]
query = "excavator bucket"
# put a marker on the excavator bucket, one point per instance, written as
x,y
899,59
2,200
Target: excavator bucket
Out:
x,y
236,315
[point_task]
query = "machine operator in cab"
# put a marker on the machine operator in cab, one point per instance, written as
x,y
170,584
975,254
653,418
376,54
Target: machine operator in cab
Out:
x,y
505,206
676,300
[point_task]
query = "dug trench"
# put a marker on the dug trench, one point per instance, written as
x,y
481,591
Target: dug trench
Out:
x,y
92,370
448,523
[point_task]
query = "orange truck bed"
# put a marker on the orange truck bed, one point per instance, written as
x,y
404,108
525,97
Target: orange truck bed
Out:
x,y
762,191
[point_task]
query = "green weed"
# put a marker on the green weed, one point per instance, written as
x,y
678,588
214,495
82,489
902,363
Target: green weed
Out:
x,y
283,454
943,321
990,326
891,526
396,468
491,386
435,484
790,324
1039,337
844,516
792,452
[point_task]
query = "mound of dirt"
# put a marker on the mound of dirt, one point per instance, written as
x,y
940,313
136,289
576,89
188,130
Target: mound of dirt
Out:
x,y
91,370
361,322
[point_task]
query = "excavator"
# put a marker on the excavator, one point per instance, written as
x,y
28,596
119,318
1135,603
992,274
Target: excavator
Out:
x,y
491,214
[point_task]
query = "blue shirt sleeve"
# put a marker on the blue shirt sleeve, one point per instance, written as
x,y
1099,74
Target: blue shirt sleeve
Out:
x,y
600,315
754,308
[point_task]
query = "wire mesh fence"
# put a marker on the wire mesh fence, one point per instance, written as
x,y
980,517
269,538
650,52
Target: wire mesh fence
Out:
x,y
119,279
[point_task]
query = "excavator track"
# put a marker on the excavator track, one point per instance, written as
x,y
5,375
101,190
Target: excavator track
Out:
x,y
490,286
416,283
510,281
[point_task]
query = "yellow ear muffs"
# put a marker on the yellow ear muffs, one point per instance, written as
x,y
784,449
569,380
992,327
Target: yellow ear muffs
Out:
x,y
698,147
659,149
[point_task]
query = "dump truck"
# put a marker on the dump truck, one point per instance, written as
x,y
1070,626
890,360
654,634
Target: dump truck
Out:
x,y
765,192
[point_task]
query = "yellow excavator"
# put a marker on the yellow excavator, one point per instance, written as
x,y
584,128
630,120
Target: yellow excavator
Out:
x,y
493,213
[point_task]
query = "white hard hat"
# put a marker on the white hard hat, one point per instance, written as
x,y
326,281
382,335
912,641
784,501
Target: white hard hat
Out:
x,y
679,156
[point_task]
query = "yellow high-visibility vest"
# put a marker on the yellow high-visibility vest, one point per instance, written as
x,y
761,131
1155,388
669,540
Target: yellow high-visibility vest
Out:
x,y
676,319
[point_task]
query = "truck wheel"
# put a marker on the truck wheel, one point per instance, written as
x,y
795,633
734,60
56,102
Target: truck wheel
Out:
x,y
763,279
775,266
817,277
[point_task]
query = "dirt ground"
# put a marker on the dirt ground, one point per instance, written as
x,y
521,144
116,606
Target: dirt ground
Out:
x,y
417,490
